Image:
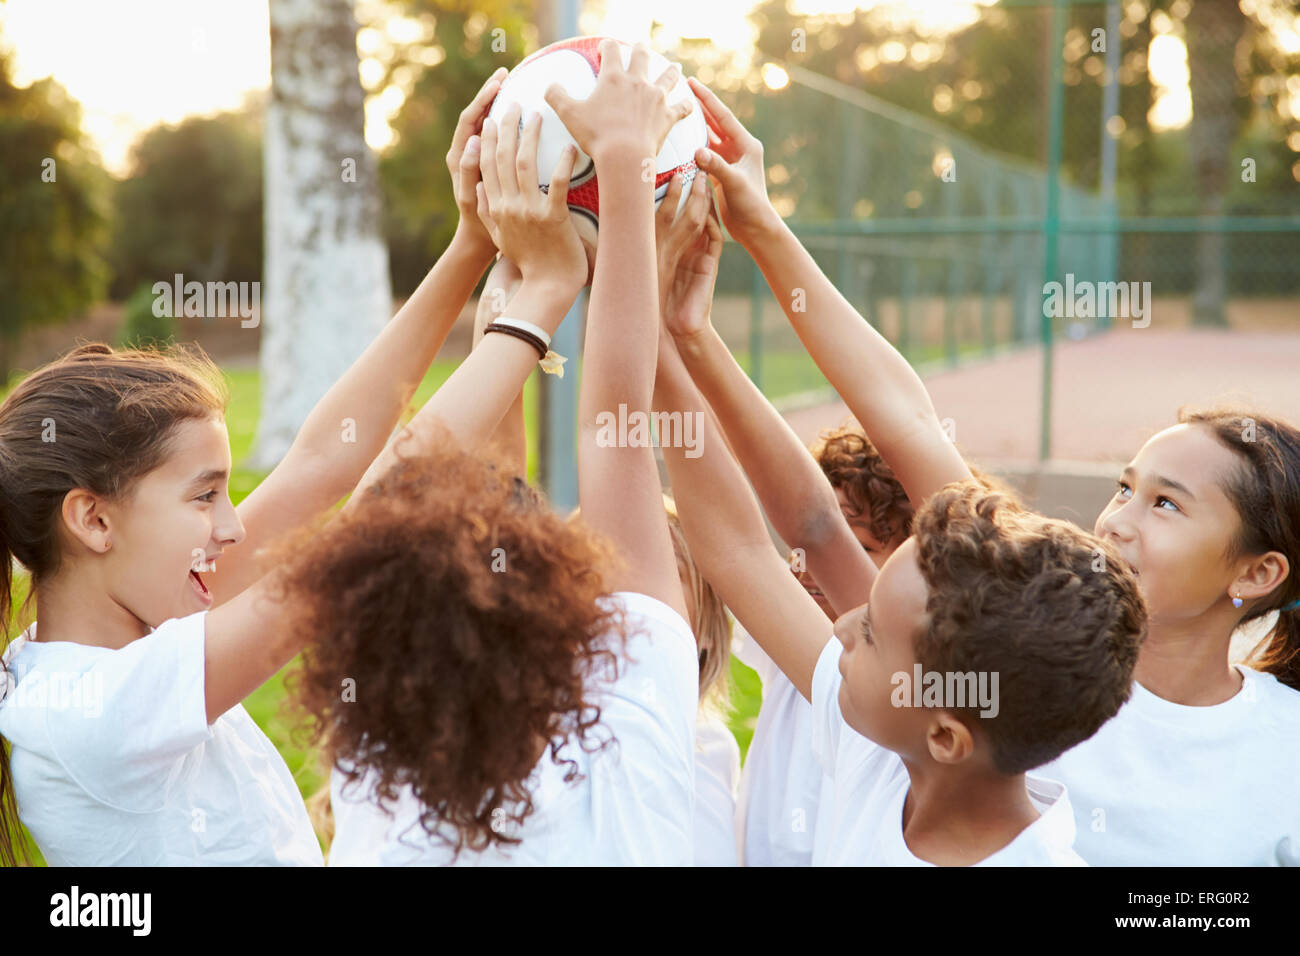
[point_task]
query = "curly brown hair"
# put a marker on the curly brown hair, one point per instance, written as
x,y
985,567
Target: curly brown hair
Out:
x,y
1050,608
463,618
851,463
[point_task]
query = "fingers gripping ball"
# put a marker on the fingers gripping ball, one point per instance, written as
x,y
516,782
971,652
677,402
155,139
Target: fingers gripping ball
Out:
x,y
575,64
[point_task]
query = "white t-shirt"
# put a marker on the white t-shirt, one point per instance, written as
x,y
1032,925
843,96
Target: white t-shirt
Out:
x,y
783,785
634,803
717,774
115,764
865,818
1165,784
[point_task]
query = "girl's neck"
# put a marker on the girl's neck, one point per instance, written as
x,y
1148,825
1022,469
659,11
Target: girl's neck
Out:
x,y
69,610
959,819
1187,662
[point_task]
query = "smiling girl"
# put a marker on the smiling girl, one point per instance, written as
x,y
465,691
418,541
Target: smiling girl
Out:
x,y
114,474
1200,766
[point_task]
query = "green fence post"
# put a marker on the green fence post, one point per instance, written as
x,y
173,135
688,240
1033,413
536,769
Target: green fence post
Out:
x,y
905,290
1051,221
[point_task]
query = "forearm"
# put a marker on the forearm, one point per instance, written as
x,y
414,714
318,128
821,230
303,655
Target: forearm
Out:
x,y
510,438
470,405
618,481
728,538
881,389
795,494
624,298
378,387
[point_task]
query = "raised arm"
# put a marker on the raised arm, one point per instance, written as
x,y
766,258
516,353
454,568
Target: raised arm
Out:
x,y
728,539
320,468
511,438
880,388
793,490
622,126
245,643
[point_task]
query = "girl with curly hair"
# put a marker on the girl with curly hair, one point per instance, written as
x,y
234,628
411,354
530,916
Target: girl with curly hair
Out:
x,y
125,741
494,685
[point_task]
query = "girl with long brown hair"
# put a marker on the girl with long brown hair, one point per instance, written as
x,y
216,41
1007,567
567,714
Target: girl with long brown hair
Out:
x,y
125,741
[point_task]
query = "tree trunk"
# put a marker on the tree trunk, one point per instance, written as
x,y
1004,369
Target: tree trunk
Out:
x,y
1214,28
326,267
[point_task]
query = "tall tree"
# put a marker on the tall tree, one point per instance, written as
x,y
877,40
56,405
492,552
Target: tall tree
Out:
x,y
327,286
207,173
53,211
1214,29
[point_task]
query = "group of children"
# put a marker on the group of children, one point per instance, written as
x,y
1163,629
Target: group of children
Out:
x,y
493,683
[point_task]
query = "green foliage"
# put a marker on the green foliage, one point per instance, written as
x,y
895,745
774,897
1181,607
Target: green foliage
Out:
x,y
193,203
142,327
420,207
53,218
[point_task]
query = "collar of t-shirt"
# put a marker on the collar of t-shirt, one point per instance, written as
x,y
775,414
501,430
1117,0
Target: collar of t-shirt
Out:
x,y
1237,709
1050,836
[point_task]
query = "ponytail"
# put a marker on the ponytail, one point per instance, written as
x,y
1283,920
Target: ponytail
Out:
x,y
12,845
97,419
1280,655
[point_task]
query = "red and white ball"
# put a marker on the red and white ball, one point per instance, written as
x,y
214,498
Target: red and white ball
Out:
x,y
575,64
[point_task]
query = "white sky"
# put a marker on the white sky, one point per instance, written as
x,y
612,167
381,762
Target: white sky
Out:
x,y
135,63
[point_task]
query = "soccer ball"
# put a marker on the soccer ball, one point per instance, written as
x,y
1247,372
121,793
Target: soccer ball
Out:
x,y
574,64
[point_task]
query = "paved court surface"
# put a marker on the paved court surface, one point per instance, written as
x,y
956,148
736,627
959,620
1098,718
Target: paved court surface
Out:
x,y
1110,392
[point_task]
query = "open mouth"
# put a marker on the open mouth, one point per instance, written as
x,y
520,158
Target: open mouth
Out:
x,y
200,588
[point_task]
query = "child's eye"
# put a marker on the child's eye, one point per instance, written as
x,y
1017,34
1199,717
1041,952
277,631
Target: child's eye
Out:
x,y
208,497
1166,501
1122,486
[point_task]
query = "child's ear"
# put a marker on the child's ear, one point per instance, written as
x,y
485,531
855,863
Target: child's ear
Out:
x,y
1261,576
84,517
949,739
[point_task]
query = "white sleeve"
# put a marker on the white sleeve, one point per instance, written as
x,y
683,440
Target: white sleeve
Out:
x,y
827,721
141,709
643,789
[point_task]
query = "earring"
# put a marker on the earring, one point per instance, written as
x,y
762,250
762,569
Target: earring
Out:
x,y
1236,602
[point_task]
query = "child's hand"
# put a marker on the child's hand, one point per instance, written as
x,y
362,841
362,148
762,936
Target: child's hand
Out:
x,y
735,162
463,164
531,228
688,248
626,116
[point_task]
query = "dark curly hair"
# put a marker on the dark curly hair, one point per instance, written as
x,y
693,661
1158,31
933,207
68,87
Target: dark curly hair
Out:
x,y
851,463
454,625
1050,608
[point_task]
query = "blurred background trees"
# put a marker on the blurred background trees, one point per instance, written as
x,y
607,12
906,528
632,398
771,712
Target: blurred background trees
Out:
x,y
192,198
